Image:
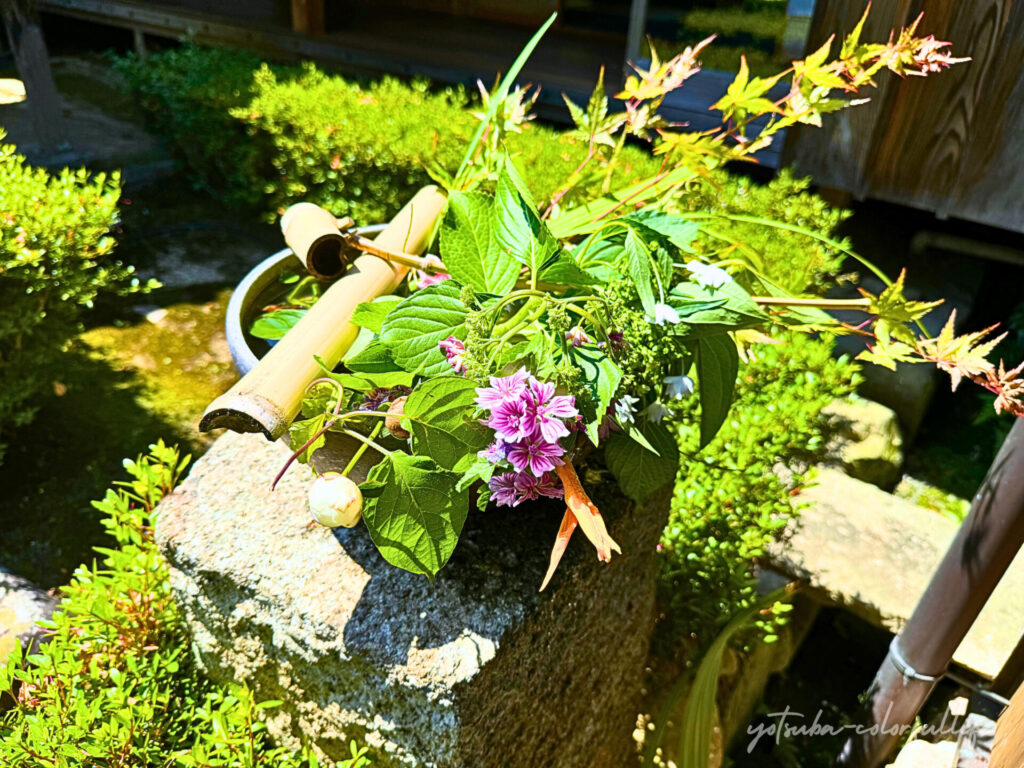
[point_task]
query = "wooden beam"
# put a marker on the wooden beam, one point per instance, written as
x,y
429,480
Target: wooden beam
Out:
x,y
637,27
33,64
308,17
1008,751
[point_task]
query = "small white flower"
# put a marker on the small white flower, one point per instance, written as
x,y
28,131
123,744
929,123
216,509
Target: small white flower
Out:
x,y
663,313
678,387
657,411
625,406
707,276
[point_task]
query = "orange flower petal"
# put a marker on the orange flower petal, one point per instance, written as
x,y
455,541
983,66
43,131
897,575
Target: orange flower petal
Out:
x,y
587,515
561,542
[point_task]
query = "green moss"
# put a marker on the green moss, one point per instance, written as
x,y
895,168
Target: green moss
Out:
x,y
119,388
180,363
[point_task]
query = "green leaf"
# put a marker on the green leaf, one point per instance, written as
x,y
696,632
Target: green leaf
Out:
x,y
469,248
638,261
274,325
723,309
639,471
479,470
375,358
602,376
301,431
516,224
678,231
440,413
717,366
499,97
413,512
565,271
413,329
371,314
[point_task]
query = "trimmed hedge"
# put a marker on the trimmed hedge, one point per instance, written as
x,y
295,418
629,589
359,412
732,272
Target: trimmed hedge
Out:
x,y
55,259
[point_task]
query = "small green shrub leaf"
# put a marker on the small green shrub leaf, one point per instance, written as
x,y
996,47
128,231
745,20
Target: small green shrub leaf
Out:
x,y
440,413
717,366
413,329
414,512
638,471
469,248
602,377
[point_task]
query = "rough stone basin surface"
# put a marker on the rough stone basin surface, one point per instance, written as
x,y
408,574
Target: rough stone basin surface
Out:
x,y
476,669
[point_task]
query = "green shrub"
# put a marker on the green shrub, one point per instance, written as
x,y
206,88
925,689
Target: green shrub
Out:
x,y
269,136
116,684
794,261
729,501
188,93
54,261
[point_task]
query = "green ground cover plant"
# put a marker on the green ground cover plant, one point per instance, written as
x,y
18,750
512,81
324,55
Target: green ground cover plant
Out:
x,y
55,261
116,684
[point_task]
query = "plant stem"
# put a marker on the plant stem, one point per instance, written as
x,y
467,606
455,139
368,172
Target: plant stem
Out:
x,y
852,304
367,442
361,450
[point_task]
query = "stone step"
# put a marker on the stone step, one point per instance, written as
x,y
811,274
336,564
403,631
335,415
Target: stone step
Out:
x,y
873,554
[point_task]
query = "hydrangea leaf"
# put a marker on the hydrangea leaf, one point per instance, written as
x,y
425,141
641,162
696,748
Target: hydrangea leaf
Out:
x,y
516,224
274,325
717,367
370,314
639,471
413,512
412,330
440,413
469,248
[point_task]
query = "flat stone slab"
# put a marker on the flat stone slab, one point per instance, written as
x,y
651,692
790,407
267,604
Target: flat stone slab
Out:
x,y
476,669
874,554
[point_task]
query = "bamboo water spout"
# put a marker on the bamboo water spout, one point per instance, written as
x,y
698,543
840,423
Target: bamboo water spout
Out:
x,y
269,397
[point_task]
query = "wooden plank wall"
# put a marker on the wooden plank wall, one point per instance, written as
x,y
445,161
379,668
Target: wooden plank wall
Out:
x,y
953,143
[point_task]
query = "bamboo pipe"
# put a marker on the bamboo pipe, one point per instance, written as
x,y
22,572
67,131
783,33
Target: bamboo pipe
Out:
x,y
269,397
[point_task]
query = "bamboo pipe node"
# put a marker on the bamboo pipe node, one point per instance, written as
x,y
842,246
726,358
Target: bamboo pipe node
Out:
x,y
269,397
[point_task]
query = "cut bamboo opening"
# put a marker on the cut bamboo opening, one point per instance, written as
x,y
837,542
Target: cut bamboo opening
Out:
x,y
269,397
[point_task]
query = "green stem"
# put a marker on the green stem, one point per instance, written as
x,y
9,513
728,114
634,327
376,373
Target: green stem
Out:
x,y
367,442
361,450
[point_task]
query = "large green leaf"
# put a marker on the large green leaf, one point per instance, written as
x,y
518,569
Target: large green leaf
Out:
x,y
370,314
640,472
413,329
470,251
516,224
374,358
638,262
565,271
413,512
718,364
440,413
602,376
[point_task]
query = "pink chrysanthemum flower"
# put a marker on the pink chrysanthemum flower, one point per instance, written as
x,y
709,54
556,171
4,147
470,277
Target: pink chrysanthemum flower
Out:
x,y
503,489
536,455
502,389
454,350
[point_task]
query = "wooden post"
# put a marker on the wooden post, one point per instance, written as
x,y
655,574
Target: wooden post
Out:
x,y
308,17
635,32
33,65
1008,751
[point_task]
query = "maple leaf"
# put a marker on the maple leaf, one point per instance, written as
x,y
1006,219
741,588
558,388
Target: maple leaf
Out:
x,y
963,355
888,353
595,125
746,95
1009,389
894,311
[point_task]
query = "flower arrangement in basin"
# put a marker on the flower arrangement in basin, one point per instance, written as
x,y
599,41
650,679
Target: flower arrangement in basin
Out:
x,y
546,329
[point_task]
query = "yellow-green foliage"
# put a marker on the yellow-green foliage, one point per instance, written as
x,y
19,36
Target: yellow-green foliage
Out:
x,y
55,259
116,684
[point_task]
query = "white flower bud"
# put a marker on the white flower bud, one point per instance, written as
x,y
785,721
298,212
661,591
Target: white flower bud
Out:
x,y
335,500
